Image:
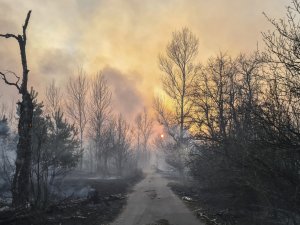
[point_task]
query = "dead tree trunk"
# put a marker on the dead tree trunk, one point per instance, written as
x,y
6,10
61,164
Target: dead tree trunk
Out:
x,y
20,185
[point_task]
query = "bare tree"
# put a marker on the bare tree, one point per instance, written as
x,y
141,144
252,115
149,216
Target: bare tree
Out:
x,y
108,144
99,111
212,94
77,91
144,130
20,185
138,132
53,99
179,72
122,144
283,46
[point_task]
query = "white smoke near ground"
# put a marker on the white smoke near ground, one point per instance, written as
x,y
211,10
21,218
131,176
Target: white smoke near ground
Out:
x,y
7,159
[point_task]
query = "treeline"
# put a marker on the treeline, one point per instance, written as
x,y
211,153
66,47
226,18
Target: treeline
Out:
x,y
76,127
236,124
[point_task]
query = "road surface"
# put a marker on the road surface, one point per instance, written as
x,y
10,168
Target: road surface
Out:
x,y
152,202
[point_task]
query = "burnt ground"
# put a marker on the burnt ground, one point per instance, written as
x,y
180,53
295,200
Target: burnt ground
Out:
x,y
219,207
203,203
99,207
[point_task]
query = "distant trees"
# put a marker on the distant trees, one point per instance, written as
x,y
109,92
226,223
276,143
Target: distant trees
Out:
x,y
20,185
110,135
49,145
144,129
99,112
108,145
77,103
7,111
2,110
7,146
121,143
53,98
56,147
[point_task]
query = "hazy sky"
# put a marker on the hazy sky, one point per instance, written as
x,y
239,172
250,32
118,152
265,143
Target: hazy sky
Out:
x,y
124,37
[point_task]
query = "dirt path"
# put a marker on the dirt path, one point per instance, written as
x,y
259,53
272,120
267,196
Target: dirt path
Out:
x,y
152,202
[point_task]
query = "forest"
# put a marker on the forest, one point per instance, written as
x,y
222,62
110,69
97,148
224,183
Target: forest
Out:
x,y
225,132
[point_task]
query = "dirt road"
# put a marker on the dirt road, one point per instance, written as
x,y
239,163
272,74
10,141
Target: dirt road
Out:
x,y
152,202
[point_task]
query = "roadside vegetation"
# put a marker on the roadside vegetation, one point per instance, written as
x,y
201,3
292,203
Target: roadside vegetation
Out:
x,y
69,155
231,132
235,127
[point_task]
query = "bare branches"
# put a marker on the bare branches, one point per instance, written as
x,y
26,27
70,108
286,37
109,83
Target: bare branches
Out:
x,y
25,25
9,36
20,184
53,98
179,74
77,91
100,106
22,45
4,78
144,125
183,48
99,113
19,37
283,44
27,20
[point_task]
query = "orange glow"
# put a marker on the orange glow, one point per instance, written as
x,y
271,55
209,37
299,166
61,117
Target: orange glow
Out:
x,y
132,33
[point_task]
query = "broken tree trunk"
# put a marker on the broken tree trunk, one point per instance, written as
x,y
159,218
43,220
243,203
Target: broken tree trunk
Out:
x,y
20,184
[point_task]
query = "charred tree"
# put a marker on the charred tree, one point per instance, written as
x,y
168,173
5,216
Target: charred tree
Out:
x,y
20,184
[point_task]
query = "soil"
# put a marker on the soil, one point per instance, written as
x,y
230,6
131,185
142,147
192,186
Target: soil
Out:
x,y
100,207
220,207
205,204
217,207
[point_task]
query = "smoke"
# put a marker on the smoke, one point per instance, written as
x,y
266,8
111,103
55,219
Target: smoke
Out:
x,y
57,62
3,128
127,35
6,24
126,97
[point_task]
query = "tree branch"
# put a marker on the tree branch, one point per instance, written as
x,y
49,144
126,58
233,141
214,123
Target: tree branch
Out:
x,y
3,77
24,29
26,24
27,20
9,36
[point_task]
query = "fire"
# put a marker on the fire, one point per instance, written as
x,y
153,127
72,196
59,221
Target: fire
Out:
x,y
162,136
